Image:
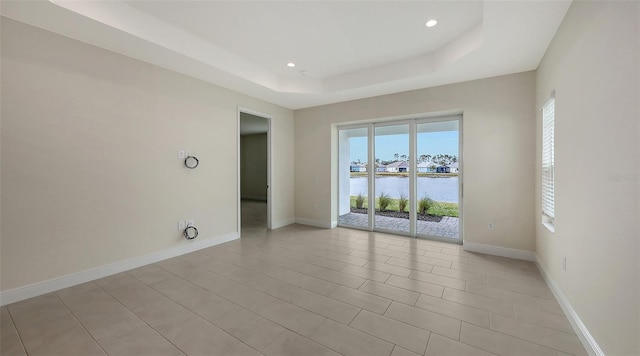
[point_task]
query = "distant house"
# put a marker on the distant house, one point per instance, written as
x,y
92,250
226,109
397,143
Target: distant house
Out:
x,y
359,167
443,169
454,167
398,167
381,167
426,167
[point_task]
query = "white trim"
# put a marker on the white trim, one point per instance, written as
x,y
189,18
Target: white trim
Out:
x,y
54,284
499,251
282,223
548,225
316,223
238,183
581,330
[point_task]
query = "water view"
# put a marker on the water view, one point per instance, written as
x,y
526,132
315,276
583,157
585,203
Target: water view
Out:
x,y
438,189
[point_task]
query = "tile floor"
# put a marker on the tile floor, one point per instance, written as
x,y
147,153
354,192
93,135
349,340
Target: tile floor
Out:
x,y
302,291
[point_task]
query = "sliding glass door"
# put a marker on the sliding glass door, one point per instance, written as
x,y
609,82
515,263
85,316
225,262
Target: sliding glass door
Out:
x,y
437,176
353,178
402,177
391,188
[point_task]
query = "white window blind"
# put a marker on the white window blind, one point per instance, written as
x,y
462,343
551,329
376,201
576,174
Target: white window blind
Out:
x,y
548,160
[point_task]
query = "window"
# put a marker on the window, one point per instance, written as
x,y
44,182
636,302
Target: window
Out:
x,y
548,161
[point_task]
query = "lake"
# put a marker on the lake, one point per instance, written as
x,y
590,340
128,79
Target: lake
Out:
x,y
438,189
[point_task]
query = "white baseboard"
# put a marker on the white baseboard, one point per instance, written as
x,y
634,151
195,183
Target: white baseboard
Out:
x,y
499,251
316,223
581,330
334,224
282,223
54,284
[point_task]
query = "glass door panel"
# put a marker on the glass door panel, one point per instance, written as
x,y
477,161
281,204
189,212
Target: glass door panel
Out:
x,y
437,181
392,178
353,183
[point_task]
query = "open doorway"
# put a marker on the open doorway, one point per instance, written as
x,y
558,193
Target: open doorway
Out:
x,y
254,172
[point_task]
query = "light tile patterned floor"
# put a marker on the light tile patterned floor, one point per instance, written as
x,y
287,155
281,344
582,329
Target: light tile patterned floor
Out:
x,y
302,291
447,227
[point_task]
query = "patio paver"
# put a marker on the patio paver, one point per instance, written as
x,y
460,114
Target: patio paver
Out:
x,y
447,227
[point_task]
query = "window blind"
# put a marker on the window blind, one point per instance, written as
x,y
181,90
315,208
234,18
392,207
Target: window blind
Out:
x,y
548,164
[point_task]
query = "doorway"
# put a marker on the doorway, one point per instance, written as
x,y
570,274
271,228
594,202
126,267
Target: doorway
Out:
x,y
254,200
402,177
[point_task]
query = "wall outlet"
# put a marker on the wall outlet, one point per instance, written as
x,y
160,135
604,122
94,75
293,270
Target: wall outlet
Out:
x,y
564,263
190,222
181,225
491,225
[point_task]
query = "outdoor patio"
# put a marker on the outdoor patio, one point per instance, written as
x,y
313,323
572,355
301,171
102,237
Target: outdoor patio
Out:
x,y
447,227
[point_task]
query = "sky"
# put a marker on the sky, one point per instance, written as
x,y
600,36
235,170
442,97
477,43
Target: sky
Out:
x,y
432,143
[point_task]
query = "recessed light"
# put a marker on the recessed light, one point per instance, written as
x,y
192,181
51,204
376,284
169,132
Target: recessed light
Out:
x,y
291,64
431,23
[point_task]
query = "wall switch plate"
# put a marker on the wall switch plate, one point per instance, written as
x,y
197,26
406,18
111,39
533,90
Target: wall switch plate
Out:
x,y
491,225
189,222
181,154
181,225
187,153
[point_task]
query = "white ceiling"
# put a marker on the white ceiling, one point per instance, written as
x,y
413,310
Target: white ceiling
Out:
x,y
347,49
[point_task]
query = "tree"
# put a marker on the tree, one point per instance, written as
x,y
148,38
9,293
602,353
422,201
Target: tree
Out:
x,y
423,158
396,156
404,157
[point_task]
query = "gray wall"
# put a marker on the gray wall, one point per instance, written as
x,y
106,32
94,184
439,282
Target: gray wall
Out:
x,y
499,153
253,170
90,173
593,66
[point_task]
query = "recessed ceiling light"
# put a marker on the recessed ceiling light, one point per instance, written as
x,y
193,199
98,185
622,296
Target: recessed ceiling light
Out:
x,y
291,64
431,23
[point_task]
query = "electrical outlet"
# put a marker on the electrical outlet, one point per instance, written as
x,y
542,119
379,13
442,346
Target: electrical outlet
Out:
x,y
181,225
491,225
564,263
190,222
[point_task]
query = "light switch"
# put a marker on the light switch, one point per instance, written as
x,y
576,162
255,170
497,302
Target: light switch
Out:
x,y
181,225
189,222
181,154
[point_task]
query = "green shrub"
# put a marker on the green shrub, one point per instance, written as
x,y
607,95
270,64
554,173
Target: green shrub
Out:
x,y
402,202
424,204
384,200
359,201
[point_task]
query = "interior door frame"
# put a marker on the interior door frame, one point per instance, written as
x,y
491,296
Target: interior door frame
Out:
x,y
269,119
